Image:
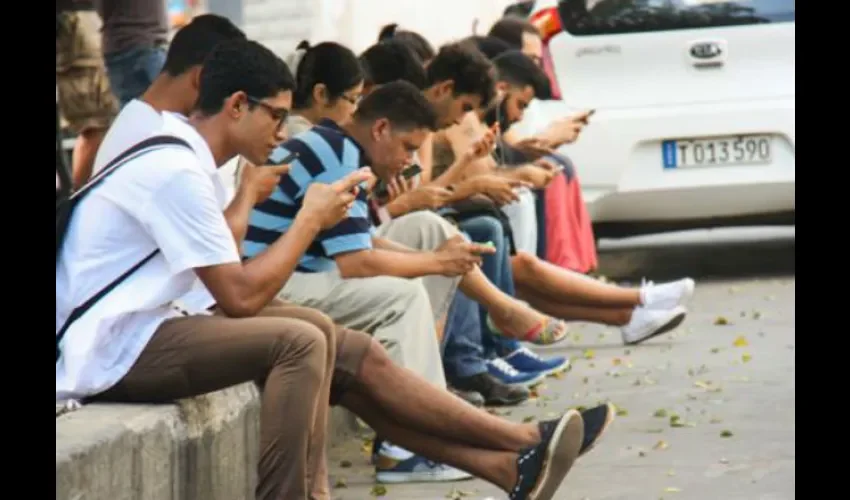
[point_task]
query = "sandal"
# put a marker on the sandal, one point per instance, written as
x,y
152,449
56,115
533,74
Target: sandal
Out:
x,y
547,331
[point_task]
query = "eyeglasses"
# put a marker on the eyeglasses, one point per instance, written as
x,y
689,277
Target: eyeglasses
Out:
x,y
353,100
279,114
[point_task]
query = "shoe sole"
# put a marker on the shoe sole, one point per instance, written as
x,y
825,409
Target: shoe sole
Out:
x,y
507,402
419,477
673,323
609,417
561,454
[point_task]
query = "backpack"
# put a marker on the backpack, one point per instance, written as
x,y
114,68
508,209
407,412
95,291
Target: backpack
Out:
x,y
66,201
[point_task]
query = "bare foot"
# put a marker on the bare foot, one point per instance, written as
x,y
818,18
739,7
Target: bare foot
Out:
x,y
524,323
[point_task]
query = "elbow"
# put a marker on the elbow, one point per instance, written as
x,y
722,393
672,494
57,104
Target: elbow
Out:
x,y
239,308
354,265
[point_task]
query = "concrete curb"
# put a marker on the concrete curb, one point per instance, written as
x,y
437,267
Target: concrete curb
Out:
x,y
202,448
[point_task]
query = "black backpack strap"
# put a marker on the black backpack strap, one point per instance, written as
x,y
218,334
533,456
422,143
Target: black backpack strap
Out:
x,y
142,147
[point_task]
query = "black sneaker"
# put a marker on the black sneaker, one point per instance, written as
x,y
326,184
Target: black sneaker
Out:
x,y
495,393
596,421
542,468
472,397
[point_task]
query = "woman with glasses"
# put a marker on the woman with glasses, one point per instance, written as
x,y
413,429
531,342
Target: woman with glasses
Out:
x,y
329,83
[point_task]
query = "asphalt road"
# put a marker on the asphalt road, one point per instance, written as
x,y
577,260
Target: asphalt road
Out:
x,y
727,373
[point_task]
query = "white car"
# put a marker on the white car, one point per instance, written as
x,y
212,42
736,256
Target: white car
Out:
x,y
694,124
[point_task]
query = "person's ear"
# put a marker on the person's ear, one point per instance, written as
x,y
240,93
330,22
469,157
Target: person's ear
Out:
x,y
380,129
320,93
236,104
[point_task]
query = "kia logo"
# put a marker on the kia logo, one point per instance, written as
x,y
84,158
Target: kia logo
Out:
x,y
705,50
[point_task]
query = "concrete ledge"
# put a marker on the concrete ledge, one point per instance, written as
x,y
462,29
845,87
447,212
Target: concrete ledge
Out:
x,y
203,448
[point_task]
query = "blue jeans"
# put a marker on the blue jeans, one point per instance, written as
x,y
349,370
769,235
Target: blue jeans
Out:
x,y
497,268
463,355
132,71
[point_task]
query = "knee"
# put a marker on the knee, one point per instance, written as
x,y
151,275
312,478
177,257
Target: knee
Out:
x,y
411,293
303,346
323,322
376,359
524,262
430,223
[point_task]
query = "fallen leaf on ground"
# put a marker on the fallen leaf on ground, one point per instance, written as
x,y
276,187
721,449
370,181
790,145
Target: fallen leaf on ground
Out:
x,y
622,412
528,419
340,483
756,315
585,380
655,431
345,464
720,320
741,341
661,445
641,453
616,361
660,413
456,494
589,354
379,490
746,357
672,489
715,420
715,350
671,472
726,433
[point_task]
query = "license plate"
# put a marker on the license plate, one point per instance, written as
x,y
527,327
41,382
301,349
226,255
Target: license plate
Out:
x,y
717,151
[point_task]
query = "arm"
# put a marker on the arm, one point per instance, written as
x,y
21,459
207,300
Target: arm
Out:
x,y
238,211
255,186
387,259
426,155
385,244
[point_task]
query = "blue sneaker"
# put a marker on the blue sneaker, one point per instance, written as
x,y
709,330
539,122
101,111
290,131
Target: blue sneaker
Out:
x,y
397,465
509,375
526,360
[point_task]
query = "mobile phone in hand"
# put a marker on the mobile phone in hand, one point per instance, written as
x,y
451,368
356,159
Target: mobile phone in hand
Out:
x,y
276,159
382,190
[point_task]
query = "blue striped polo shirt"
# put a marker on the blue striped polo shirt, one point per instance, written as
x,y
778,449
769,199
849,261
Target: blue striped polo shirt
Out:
x,y
326,155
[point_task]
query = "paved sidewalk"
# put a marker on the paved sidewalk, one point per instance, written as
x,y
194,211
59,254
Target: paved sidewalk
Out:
x,y
727,374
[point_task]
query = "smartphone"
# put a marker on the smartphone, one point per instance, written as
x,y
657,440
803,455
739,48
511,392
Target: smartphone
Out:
x,y
589,114
381,190
275,159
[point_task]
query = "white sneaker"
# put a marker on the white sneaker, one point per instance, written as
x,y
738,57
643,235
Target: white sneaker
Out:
x,y
647,323
667,295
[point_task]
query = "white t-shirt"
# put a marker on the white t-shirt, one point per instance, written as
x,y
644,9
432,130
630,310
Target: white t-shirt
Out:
x,y
165,199
136,122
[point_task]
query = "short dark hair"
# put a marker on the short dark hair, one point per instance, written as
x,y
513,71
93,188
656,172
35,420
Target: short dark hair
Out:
x,y
194,42
392,60
328,63
469,69
489,45
511,28
401,103
412,39
518,69
241,65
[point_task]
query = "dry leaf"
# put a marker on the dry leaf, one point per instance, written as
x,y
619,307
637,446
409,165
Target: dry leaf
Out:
x,y
456,494
379,490
715,420
726,433
661,445
715,350
345,464
672,489
641,453
702,385
660,413
720,320
756,315
528,419
340,483
616,361
589,354
585,380
741,341
746,357
622,412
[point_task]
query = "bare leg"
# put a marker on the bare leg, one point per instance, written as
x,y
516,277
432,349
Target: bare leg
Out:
x,y
405,397
510,316
569,287
85,149
498,467
612,316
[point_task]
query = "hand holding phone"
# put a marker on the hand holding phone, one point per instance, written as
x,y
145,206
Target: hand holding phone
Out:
x,y
381,189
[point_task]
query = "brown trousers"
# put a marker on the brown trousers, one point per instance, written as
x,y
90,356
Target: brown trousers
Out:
x,y
297,356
